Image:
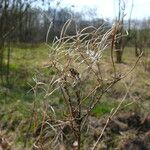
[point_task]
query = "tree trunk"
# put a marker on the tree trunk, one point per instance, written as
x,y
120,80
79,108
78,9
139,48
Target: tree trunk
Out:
x,y
1,61
119,56
8,64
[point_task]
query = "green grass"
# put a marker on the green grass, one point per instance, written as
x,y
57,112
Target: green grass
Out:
x,y
26,63
107,105
103,108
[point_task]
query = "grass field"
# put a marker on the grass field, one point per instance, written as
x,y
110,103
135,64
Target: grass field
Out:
x,y
21,110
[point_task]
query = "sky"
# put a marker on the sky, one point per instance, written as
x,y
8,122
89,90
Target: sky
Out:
x,y
108,8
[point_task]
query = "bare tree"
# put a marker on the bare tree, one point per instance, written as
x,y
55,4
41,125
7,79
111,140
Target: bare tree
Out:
x,y
121,42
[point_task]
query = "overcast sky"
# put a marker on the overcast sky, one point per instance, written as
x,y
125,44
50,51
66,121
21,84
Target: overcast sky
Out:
x,y
108,8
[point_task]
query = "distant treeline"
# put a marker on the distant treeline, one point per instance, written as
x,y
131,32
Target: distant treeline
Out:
x,y
22,22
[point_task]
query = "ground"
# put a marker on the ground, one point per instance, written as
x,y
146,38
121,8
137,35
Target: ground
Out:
x,y
21,109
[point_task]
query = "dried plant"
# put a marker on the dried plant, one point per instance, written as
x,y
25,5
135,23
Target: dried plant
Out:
x,y
81,78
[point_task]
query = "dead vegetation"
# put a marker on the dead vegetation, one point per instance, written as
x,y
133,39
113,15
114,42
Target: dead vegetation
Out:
x,y
80,77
